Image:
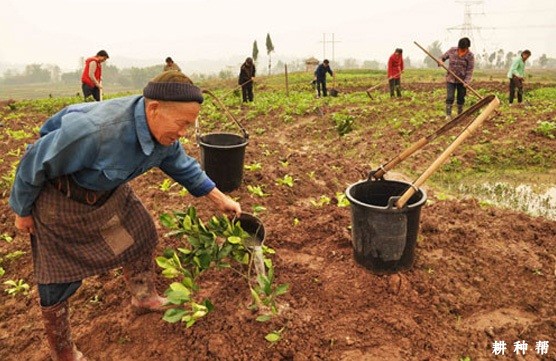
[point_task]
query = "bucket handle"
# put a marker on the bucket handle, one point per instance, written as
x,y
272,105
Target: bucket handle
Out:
x,y
384,168
226,111
466,132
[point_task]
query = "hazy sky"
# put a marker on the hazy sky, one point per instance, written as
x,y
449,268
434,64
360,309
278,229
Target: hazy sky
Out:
x,y
61,31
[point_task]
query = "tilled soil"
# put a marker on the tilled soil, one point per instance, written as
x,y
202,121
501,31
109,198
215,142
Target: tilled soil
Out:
x,y
480,275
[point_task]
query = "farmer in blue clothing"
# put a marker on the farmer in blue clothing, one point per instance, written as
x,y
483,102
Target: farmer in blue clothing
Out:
x,y
516,74
71,194
320,77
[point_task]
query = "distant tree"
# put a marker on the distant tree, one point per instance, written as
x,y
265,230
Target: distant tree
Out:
x,y
225,74
34,73
73,77
110,74
543,60
255,53
371,64
509,58
141,76
492,58
350,63
436,50
485,58
269,49
499,58
407,62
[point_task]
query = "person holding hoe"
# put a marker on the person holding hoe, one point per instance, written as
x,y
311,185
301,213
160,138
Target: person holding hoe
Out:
x,y
395,69
171,65
71,194
320,77
246,78
91,78
461,63
517,75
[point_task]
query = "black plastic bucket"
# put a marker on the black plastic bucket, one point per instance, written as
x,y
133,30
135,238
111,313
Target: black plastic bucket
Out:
x,y
222,156
383,236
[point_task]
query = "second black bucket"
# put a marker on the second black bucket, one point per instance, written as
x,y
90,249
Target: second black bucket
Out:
x,y
383,236
222,156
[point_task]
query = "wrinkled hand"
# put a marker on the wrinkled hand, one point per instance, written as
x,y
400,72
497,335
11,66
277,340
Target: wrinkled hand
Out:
x,y
225,203
25,224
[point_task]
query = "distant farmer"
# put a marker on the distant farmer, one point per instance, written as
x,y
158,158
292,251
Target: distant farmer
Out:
x,y
395,69
320,77
71,194
246,77
91,79
517,75
461,62
170,65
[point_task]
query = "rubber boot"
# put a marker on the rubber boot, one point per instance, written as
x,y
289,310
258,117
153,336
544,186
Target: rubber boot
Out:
x,y
460,109
58,333
139,279
448,111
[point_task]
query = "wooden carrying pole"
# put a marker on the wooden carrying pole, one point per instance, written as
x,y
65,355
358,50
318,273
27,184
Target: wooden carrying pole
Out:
x,y
379,173
456,143
439,62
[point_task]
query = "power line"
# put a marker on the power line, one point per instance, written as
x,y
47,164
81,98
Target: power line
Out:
x,y
324,42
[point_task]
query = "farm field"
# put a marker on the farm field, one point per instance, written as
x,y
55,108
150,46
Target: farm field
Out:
x,y
485,267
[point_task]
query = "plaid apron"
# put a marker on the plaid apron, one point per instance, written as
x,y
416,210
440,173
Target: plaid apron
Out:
x,y
74,240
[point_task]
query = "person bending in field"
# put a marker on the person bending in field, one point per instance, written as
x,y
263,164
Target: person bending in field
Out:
x,y
517,75
320,77
171,65
247,73
91,78
461,63
395,69
71,194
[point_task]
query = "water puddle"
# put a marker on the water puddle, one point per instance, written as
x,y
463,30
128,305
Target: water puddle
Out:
x,y
534,200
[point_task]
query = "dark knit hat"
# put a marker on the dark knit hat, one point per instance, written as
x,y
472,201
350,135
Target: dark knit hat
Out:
x,y
173,86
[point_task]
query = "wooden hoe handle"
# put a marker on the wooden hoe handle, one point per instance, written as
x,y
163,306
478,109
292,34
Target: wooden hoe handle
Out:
x,y
448,151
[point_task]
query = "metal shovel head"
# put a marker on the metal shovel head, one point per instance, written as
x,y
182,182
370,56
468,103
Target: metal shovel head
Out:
x,y
334,92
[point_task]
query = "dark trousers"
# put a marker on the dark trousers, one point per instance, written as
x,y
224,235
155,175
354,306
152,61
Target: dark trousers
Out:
x,y
247,92
321,83
88,91
451,90
516,83
395,84
53,293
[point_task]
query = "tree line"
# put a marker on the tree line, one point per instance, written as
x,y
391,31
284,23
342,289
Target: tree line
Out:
x,y
498,59
137,77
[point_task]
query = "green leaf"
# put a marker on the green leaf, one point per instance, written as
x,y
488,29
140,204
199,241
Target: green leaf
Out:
x,y
263,318
281,289
273,337
178,294
255,296
168,221
164,262
208,305
170,272
234,240
174,315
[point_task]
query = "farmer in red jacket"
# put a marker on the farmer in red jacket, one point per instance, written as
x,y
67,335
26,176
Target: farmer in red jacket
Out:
x,y
395,69
91,79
